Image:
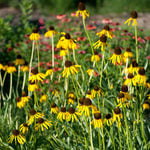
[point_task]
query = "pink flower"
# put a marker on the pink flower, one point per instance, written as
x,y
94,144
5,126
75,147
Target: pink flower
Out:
x,y
41,21
115,23
81,52
9,49
148,57
61,16
57,69
66,20
90,27
73,14
81,38
77,33
106,21
142,41
147,38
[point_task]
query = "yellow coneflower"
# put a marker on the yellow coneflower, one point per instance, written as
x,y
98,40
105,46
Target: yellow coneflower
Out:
x,y
102,42
133,17
127,54
80,105
56,92
62,115
72,114
89,94
97,91
121,98
54,108
82,11
106,31
94,109
42,123
125,104
90,71
134,67
141,77
24,128
71,100
146,105
32,86
11,68
63,52
130,80
24,97
5,67
95,57
20,102
36,76
124,90
51,31
108,119
1,66
34,35
67,42
19,60
147,84
97,121
16,135
117,116
34,115
117,56
25,67
87,103
70,69
49,71
71,95
43,98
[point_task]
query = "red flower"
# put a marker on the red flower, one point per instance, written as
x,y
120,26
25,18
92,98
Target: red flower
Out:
x,y
90,27
61,16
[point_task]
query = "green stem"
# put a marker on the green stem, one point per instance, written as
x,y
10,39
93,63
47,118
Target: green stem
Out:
x,y
136,45
99,139
102,69
53,59
24,80
10,89
120,145
38,52
18,79
31,59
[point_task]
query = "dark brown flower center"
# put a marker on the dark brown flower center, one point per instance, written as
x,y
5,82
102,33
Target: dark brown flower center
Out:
x,y
95,53
117,111
106,27
117,51
134,63
97,116
103,38
25,125
89,92
96,88
124,88
18,99
108,116
26,63
120,95
130,75
19,57
87,102
81,6
63,109
40,120
51,28
35,30
24,94
81,100
134,15
53,105
141,71
32,112
68,63
15,132
34,71
10,64
31,82
71,110
128,49
67,36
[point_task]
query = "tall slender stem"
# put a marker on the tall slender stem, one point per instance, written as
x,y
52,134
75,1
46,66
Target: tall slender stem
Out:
x,y
24,80
18,78
31,59
10,89
136,45
38,52
53,59
102,69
